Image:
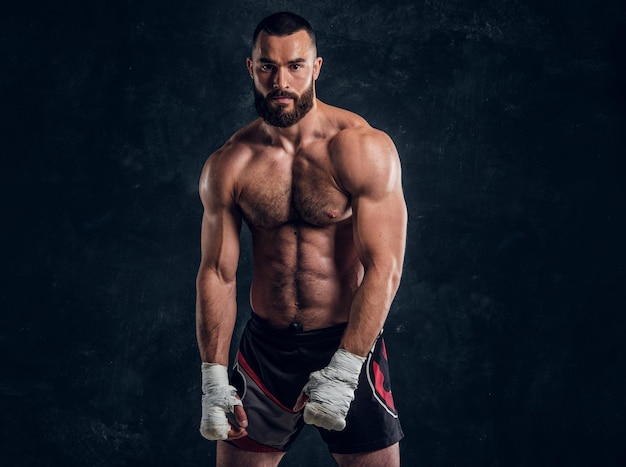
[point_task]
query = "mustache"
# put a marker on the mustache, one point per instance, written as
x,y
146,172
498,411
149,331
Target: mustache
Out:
x,y
280,93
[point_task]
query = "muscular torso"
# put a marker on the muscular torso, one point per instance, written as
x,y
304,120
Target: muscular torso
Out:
x,y
306,267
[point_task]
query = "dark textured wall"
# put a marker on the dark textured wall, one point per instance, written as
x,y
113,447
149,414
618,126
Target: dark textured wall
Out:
x,y
506,337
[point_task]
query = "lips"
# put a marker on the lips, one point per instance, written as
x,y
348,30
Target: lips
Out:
x,y
281,95
282,100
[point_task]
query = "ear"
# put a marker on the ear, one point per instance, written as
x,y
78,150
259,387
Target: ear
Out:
x,y
249,66
317,67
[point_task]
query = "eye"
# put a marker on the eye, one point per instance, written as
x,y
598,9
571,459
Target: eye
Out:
x,y
267,67
296,66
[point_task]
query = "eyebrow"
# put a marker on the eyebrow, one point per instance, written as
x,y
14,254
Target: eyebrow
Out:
x,y
267,60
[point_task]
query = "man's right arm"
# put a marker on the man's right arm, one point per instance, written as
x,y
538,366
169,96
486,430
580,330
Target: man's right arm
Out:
x,y
216,304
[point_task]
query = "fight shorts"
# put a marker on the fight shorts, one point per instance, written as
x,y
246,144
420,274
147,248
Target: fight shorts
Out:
x,y
272,367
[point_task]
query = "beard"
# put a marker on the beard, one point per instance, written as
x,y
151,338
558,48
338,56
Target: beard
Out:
x,y
277,115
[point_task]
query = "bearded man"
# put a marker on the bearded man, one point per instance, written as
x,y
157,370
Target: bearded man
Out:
x,y
320,191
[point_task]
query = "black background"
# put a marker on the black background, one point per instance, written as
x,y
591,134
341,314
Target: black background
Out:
x,y
506,337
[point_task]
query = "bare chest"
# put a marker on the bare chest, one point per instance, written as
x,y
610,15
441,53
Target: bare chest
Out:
x,y
280,188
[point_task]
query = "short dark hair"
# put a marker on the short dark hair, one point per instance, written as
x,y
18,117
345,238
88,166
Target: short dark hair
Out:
x,y
283,23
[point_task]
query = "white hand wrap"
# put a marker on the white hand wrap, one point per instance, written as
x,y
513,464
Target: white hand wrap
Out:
x,y
218,399
331,390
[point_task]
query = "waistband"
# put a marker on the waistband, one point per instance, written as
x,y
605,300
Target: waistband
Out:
x,y
262,328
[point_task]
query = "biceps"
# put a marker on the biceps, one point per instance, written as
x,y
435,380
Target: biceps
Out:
x,y
380,230
220,243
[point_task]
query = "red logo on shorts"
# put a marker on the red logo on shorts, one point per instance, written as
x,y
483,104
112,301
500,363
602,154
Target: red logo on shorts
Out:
x,y
380,386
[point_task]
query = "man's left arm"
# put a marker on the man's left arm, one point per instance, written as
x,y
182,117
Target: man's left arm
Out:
x,y
379,216
368,167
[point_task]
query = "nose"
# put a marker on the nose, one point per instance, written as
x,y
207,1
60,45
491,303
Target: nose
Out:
x,y
280,79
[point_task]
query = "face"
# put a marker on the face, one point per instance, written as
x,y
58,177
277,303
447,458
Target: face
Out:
x,y
284,70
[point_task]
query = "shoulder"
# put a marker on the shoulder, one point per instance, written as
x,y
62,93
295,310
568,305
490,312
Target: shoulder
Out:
x,y
225,165
353,131
365,157
366,139
239,147
341,119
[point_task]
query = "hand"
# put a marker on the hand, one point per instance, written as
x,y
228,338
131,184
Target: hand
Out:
x,y
219,399
327,396
241,420
301,402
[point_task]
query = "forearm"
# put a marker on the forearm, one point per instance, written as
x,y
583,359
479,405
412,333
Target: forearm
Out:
x,y
370,308
331,390
216,312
